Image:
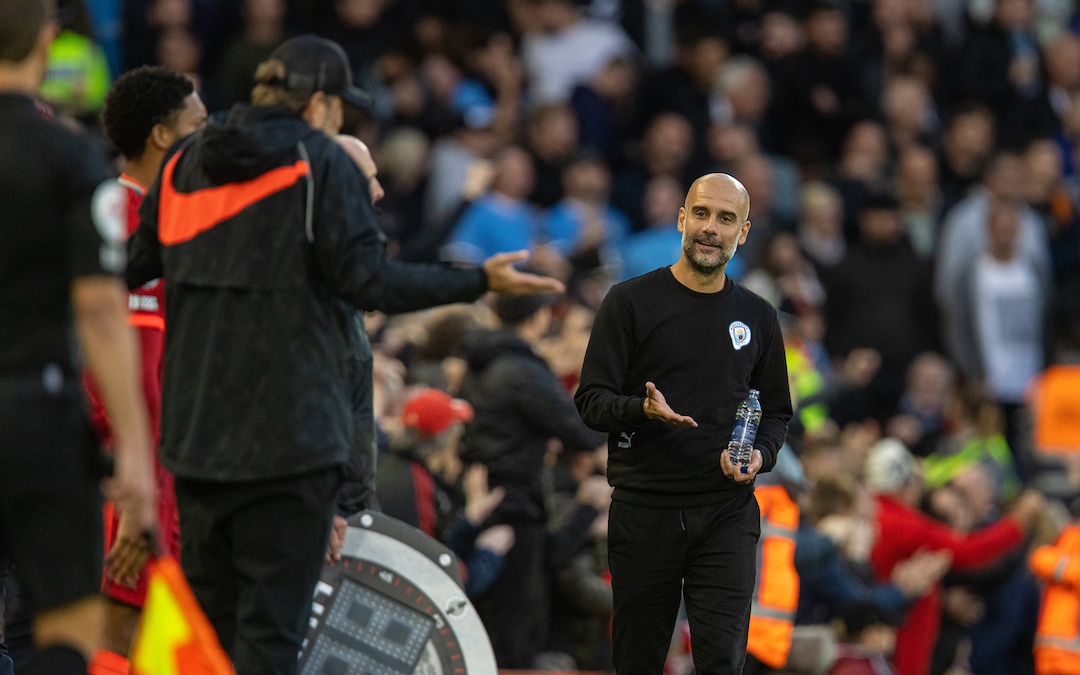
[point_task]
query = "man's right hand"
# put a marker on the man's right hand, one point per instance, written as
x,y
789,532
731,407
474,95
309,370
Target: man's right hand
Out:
x,y
130,551
656,408
504,278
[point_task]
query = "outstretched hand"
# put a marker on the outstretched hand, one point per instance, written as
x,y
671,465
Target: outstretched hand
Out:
x,y
741,473
504,278
657,408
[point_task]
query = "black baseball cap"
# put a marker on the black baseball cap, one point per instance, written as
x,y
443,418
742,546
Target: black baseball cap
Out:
x,y
313,63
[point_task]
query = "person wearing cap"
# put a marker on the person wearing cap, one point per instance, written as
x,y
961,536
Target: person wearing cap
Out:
x,y
520,405
417,478
258,224
431,422
893,474
683,519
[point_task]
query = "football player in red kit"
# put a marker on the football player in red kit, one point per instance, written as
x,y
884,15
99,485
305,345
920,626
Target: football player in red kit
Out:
x,y
146,112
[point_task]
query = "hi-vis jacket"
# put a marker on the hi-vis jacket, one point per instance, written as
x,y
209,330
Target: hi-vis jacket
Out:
x,y
1057,638
776,595
256,225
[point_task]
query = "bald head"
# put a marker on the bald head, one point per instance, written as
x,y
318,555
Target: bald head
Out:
x,y
720,184
714,223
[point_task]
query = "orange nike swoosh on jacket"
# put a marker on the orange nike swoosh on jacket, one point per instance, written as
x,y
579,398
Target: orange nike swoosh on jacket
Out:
x,y
183,215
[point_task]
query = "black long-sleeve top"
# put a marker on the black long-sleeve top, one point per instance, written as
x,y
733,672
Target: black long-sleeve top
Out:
x,y
704,352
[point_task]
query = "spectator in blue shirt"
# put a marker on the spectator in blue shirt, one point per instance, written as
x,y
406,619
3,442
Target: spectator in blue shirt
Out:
x,y
583,226
500,221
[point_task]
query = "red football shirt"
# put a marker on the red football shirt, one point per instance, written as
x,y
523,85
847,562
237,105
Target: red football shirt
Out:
x,y
146,307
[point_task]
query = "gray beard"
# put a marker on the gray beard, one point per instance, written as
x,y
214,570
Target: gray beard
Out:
x,y
701,265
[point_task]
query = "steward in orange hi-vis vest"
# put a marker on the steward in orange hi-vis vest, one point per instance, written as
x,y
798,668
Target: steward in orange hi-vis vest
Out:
x,y
1057,639
776,595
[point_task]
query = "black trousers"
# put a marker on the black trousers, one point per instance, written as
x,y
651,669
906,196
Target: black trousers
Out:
x,y
252,553
708,555
515,609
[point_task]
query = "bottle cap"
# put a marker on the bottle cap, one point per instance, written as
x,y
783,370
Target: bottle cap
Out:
x,y
754,393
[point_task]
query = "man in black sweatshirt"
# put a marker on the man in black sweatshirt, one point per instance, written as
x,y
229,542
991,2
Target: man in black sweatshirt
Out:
x,y
683,518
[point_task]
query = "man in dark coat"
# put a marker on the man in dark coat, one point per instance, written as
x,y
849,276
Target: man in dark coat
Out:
x,y
879,297
520,406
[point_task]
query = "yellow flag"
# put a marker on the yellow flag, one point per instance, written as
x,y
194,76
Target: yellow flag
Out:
x,y
175,637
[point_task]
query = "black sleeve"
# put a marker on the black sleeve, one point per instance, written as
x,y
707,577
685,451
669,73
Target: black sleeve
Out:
x,y
357,491
771,379
541,401
95,229
599,397
350,251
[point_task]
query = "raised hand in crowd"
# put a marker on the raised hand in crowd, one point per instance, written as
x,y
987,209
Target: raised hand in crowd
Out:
x,y
919,573
480,501
498,539
1029,508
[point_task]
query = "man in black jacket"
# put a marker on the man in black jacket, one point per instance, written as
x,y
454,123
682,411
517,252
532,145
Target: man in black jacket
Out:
x,y
519,406
257,226
684,522
881,270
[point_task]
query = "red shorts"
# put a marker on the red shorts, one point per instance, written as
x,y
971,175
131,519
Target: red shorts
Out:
x,y
168,534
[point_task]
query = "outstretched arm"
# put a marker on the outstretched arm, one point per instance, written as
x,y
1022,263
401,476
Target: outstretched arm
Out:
x,y
351,253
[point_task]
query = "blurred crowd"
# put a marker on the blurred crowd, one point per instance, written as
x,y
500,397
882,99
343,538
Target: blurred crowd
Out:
x,y
914,180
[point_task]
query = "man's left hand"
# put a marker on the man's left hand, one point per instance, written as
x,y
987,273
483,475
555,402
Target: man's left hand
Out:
x,y
740,473
337,539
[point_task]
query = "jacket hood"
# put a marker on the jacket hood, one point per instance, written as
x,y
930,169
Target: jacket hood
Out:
x,y
249,141
482,347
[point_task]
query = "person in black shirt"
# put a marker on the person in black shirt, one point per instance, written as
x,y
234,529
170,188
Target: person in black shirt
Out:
x,y
683,520
60,249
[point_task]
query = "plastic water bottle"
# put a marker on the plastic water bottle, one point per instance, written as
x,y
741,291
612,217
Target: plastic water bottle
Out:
x,y
742,436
